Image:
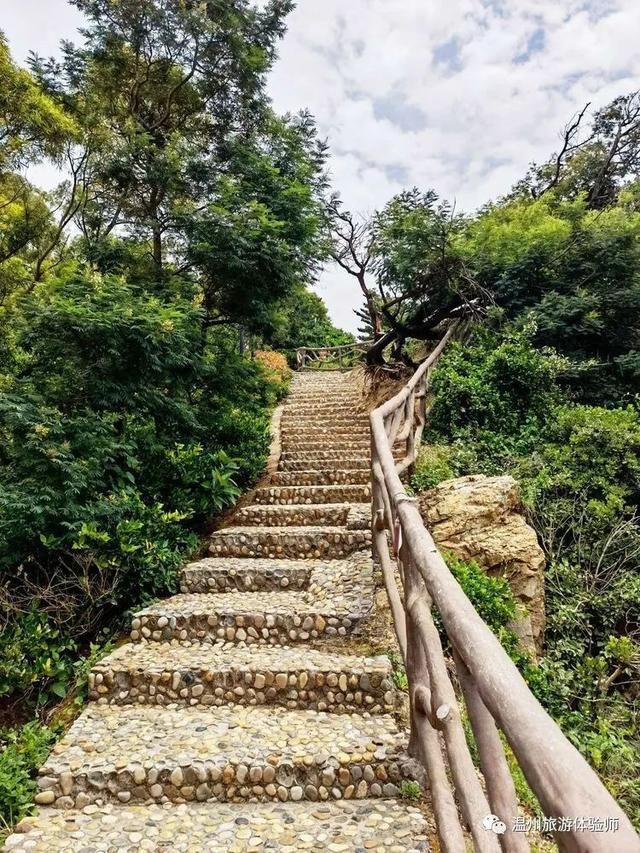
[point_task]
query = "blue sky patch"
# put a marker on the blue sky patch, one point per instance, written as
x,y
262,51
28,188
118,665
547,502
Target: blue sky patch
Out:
x,y
395,108
535,45
447,55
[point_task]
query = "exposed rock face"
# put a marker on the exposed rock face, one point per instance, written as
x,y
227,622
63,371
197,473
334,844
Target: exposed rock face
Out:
x,y
480,518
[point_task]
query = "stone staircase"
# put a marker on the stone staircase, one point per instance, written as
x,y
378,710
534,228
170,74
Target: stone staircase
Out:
x,y
238,718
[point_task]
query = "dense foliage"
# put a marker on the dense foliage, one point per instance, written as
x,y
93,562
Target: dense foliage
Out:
x,y
22,750
574,275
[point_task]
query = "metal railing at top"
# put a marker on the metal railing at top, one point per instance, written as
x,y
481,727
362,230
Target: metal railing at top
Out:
x,y
497,699
343,357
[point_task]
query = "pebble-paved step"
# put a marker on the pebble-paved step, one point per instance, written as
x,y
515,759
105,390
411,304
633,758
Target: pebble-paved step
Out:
x,y
323,415
312,494
328,443
324,411
288,542
321,429
322,454
337,462
139,753
335,515
338,599
227,574
321,420
387,826
329,400
223,674
247,617
359,476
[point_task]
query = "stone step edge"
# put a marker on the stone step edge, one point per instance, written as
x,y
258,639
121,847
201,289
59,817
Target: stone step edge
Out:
x,y
225,827
349,513
262,782
231,575
329,682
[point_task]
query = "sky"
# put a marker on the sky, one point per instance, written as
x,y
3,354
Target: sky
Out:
x,y
457,96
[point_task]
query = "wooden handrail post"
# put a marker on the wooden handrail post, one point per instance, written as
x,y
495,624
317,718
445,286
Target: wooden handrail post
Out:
x,y
425,740
493,763
474,804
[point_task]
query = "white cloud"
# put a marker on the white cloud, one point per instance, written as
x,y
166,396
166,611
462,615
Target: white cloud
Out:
x,y
462,115
487,116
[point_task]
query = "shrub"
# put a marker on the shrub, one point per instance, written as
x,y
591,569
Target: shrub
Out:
x,y
22,751
492,400
433,465
590,455
124,427
34,652
275,365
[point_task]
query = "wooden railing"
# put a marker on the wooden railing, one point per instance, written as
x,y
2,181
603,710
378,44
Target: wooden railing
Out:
x,y
581,814
332,358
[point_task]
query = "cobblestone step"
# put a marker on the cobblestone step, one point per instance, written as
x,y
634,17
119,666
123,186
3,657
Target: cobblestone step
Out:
x,y
338,599
297,678
303,515
351,516
247,617
229,574
323,407
313,494
318,429
329,400
330,477
288,542
144,754
388,826
320,420
328,443
336,462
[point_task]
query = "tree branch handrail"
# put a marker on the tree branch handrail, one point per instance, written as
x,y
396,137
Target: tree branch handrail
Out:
x,y
496,695
306,354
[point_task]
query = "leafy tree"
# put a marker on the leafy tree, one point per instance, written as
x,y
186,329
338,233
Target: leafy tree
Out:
x,y
596,162
259,236
409,246
575,273
32,125
158,88
27,230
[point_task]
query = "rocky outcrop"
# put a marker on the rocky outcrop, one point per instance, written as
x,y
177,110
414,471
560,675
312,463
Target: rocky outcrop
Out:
x,y
480,518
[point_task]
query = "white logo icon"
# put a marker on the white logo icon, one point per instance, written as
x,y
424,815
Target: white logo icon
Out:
x,y
493,822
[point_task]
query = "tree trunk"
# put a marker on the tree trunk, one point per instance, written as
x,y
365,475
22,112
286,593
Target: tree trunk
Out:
x,y
157,250
375,352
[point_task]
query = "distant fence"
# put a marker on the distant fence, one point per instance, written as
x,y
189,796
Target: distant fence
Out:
x,y
581,814
332,358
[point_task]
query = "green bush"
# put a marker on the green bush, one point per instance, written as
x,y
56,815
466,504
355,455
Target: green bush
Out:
x,y
492,400
491,596
589,455
33,652
434,464
22,751
123,429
